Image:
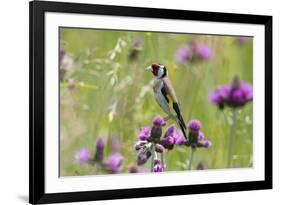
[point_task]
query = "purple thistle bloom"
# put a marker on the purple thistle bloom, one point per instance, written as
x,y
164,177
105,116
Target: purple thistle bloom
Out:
x,y
205,143
143,156
201,166
183,54
144,133
159,121
99,150
201,136
83,156
139,145
136,169
235,95
170,140
100,144
159,148
171,137
179,139
202,51
243,39
114,163
240,94
170,131
158,167
194,125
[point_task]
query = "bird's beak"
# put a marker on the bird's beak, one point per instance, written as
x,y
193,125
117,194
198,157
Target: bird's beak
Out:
x,y
148,68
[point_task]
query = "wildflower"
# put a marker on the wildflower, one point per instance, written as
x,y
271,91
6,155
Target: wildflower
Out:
x,y
137,169
143,156
172,137
83,156
159,122
144,133
158,167
202,51
136,49
114,163
220,96
170,140
236,94
243,39
196,138
99,150
202,166
194,125
159,148
201,136
204,143
140,144
183,54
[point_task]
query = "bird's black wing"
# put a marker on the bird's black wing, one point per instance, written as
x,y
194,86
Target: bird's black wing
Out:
x,y
169,91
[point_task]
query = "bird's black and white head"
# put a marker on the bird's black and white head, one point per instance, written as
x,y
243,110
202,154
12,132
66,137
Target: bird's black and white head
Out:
x,y
158,70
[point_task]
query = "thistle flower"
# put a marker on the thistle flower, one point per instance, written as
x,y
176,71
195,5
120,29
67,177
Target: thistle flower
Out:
x,y
194,125
172,137
136,49
159,148
140,144
169,140
137,169
201,136
183,54
204,143
99,150
220,96
114,163
144,133
236,94
158,167
83,156
196,138
143,156
159,121
155,135
202,166
243,39
202,51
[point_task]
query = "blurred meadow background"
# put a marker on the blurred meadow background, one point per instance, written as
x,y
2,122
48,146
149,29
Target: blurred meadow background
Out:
x,y
106,93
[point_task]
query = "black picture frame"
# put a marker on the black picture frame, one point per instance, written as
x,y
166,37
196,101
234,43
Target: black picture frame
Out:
x,y
37,9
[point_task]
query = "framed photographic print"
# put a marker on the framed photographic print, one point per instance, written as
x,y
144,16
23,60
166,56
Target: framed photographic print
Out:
x,y
140,102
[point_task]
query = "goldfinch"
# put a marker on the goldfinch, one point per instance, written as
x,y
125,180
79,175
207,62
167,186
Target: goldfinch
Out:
x,y
165,95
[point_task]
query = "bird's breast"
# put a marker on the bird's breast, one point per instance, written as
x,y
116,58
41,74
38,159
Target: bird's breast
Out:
x,y
157,85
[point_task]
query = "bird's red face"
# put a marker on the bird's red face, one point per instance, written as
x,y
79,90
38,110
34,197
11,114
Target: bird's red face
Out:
x,y
154,68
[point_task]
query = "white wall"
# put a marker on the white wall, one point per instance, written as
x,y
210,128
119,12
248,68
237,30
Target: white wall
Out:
x,y
14,99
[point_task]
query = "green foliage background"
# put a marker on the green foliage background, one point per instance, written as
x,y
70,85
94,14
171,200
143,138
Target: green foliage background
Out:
x,y
105,94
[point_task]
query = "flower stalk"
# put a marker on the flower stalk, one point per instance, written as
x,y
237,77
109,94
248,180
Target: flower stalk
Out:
x,y
231,138
152,157
191,156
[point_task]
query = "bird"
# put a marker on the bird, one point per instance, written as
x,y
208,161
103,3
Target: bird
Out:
x,y
165,95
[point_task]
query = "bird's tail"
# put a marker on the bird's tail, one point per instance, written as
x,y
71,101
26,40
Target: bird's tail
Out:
x,y
181,124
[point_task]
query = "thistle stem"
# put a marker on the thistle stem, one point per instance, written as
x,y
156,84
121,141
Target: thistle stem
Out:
x,y
163,160
231,139
191,158
152,157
